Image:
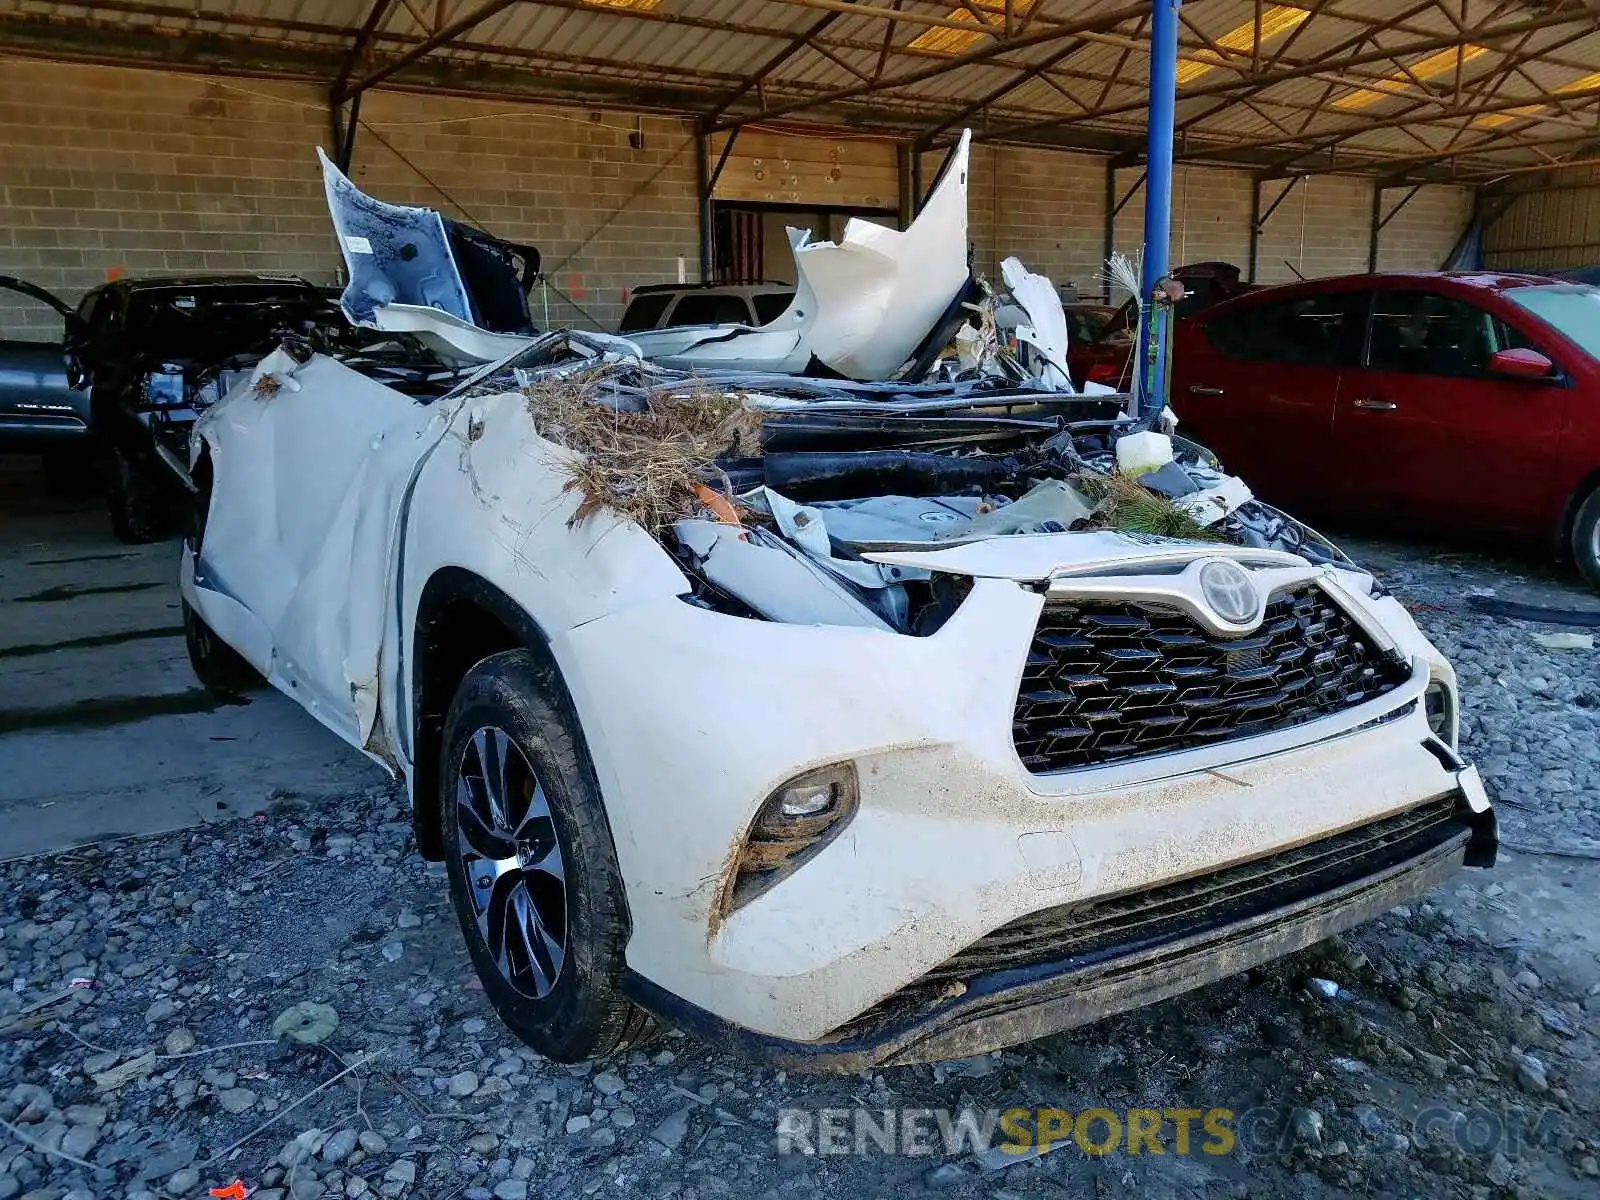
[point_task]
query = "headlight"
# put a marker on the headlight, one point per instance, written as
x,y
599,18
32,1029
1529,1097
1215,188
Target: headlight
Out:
x,y
1439,705
795,822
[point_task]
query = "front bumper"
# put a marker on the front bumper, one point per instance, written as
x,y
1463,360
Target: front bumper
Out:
x,y
1262,911
693,718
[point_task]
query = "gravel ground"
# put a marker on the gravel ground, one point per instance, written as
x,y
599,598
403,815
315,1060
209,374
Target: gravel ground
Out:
x,y
1448,1049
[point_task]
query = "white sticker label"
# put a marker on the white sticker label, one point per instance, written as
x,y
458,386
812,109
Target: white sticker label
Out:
x,y
358,245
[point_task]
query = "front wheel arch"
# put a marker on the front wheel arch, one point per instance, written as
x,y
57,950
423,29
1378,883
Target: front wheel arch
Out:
x,y
461,619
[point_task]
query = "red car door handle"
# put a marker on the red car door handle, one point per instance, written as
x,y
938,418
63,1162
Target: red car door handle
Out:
x,y
1201,390
1375,405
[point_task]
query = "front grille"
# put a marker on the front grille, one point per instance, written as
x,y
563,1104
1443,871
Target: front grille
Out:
x,y
1108,681
1076,936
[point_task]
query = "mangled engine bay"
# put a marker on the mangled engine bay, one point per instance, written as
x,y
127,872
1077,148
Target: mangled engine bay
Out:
x,y
804,500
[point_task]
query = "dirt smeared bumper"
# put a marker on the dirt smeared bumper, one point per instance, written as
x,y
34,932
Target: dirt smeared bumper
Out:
x,y
1156,944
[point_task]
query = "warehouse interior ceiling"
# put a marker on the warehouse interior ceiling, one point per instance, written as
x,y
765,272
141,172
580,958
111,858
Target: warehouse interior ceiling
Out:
x,y
1409,90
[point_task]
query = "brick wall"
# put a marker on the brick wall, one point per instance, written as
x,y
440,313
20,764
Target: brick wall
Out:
x,y
158,172
1210,215
604,215
1423,233
1045,207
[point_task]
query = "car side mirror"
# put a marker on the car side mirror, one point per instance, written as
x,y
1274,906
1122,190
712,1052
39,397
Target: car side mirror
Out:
x,y
1520,363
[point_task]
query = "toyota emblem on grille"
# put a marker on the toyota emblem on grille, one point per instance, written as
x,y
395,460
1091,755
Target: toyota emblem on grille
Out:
x,y
1229,591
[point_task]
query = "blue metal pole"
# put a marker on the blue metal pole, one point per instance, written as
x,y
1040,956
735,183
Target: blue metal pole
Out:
x,y
1158,193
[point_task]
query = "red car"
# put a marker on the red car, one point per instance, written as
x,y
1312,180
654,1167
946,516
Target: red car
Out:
x,y
1461,402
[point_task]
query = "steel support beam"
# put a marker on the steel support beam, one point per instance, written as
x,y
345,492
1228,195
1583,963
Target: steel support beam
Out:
x,y
358,46
1110,244
1253,266
1255,83
996,47
703,185
1259,219
1379,219
905,156
346,120
425,47
1001,92
1374,226
796,44
1158,199
722,161
1483,146
1327,139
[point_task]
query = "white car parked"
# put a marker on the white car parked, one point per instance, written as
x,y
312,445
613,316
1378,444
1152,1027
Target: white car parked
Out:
x,y
888,749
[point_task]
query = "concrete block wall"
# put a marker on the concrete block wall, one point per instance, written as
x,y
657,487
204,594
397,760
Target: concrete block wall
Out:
x,y
1045,207
1210,215
1321,228
1422,234
605,216
157,172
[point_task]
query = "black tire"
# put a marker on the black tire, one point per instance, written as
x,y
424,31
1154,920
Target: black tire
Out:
x,y
217,665
568,1005
133,496
1586,539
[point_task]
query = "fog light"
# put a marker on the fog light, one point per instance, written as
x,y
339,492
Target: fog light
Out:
x,y
1439,706
793,823
807,799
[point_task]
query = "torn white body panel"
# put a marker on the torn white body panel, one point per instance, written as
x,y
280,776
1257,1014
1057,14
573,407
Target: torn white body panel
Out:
x,y
1046,330
448,335
862,305
303,534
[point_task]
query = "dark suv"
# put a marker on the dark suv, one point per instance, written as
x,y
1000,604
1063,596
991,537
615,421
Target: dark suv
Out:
x,y
155,353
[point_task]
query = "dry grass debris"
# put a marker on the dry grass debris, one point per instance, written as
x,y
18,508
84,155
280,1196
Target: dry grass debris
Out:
x,y
643,466
1124,504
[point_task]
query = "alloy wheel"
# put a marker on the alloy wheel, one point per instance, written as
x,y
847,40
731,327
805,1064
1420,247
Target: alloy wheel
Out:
x,y
511,858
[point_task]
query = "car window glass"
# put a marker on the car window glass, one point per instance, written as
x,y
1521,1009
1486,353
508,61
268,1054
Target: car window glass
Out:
x,y
1573,309
25,318
1426,334
772,305
1311,330
644,312
713,309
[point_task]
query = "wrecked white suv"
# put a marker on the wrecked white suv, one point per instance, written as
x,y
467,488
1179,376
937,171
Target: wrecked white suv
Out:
x,y
808,687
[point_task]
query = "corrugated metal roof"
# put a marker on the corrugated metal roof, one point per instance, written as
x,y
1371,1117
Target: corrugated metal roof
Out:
x,y
1318,86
